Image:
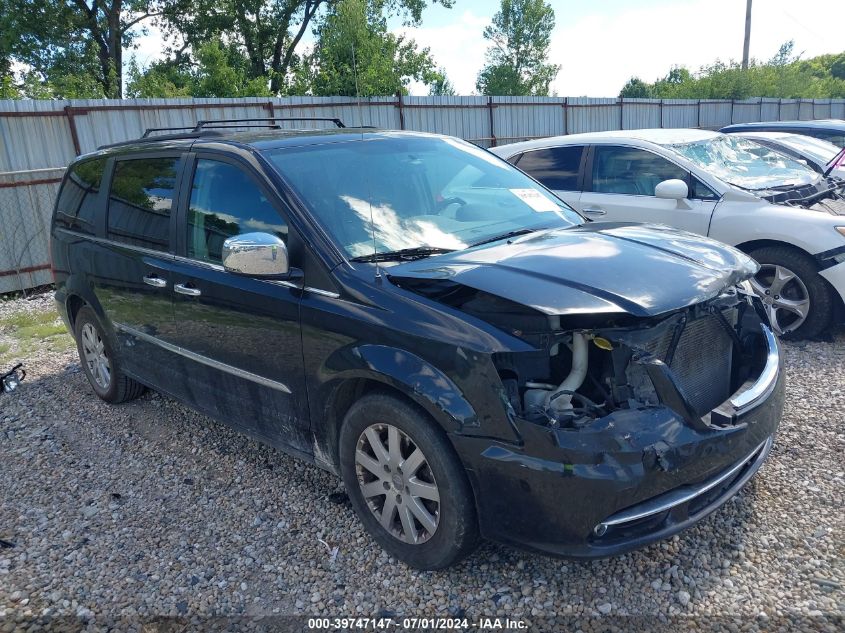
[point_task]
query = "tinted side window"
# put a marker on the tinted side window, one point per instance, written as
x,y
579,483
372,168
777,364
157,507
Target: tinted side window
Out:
x,y
140,201
631,171
556,167
700,191
77,205
225,201
837,138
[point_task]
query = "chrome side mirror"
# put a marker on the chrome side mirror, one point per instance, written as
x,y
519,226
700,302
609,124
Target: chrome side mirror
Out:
x,y
256,255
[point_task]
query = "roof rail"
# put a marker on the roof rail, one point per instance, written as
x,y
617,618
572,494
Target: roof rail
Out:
x,y
212,127
266,121
150,130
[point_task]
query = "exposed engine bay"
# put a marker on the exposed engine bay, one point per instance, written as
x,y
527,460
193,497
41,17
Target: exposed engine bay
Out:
x,y
587,366
826,195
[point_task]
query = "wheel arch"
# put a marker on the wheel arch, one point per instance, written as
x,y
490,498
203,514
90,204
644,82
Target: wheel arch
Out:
x,y
752,245
372,367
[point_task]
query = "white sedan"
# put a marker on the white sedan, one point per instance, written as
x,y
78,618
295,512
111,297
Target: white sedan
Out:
x,y
788,217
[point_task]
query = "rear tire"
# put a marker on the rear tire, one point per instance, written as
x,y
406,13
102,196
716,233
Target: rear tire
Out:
x,y
101,366
778,263
406,483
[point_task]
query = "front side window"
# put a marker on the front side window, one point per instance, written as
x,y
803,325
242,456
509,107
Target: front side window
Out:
x,y
744,163
556,167
837,138
140,201
226,202
76,208
387,193
631,171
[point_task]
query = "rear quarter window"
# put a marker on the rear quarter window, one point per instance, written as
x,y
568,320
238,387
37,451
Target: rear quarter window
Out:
x,y
76,208
141,201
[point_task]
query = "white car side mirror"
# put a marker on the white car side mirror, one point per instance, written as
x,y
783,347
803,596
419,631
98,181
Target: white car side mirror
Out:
x,y
672,189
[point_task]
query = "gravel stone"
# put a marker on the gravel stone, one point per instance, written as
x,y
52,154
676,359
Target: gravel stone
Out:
x,y
148,509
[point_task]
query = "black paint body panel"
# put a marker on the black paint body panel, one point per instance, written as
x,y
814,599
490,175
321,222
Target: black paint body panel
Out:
x,y
278,358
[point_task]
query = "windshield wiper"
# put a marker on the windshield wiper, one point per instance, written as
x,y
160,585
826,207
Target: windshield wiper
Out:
x,y
505,236
416,252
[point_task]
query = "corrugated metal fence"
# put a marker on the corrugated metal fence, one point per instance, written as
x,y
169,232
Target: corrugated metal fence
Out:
x,y
39,138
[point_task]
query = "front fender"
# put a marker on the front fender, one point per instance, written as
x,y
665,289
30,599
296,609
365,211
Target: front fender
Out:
x,y
419,380
427,385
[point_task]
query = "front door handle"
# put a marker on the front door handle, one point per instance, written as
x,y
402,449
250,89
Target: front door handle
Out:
x,y
155,281
182,289
594,211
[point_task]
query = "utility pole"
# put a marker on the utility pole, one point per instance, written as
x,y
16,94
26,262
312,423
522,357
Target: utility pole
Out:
x,y
747,43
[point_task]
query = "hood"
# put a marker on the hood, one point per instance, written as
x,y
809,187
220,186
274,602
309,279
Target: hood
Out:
x,y
594,268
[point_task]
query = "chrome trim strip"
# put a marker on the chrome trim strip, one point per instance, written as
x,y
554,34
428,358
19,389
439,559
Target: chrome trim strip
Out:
x,y
210,362
195,262
765,384
680,496
116,244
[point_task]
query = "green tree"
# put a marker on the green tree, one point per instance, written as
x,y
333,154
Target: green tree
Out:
x,y
517,59
356,54
220,71
76,46
440,86
785,75
635,88
267,32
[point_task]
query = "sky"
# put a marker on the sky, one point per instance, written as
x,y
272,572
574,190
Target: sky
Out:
x,y
600,44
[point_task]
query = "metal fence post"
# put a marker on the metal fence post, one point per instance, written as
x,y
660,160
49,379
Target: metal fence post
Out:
x,y
401,111
492,129
72,125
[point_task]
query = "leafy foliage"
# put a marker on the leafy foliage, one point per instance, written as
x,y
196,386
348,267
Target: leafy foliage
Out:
x,y
516,61
220,71
356,54
785,75
74,48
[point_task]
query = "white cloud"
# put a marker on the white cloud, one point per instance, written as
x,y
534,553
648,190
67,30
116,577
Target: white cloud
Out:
x,y
458,47
600,52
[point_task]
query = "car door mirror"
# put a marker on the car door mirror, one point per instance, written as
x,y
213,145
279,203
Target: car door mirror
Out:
x,y
672,189
256,255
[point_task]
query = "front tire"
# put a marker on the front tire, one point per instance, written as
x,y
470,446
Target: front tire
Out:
x,y
101,366
798,300
406,483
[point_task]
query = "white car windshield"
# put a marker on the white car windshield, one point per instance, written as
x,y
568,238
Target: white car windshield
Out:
x,y
386,193
746,164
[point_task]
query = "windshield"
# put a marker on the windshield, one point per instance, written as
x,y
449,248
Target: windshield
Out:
x,y
817,149
419,192
744,163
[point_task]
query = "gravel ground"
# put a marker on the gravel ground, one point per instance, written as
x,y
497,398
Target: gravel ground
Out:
x,y
148,509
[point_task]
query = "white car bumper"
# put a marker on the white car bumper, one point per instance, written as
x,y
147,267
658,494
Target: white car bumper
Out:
x,y
836,276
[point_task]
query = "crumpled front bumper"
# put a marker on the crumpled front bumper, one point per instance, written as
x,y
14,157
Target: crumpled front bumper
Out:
x,y
626,480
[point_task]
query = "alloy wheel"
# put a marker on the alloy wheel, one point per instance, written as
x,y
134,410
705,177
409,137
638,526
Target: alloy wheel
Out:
x,y
784,296
397,483
93,349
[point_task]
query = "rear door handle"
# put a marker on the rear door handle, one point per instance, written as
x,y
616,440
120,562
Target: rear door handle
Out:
x,y
182,289
594,211
155,281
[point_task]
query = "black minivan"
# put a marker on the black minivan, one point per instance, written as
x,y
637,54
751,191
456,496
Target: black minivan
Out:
x,y
414,314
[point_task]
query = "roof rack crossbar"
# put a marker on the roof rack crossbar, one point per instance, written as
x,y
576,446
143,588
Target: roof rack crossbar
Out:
x,y
268,121
150,130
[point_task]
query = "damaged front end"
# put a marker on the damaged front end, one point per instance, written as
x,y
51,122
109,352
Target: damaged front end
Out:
x,y
692,361
827,196
632,427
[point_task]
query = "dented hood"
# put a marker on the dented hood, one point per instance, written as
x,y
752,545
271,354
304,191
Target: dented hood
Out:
x,y
594,268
